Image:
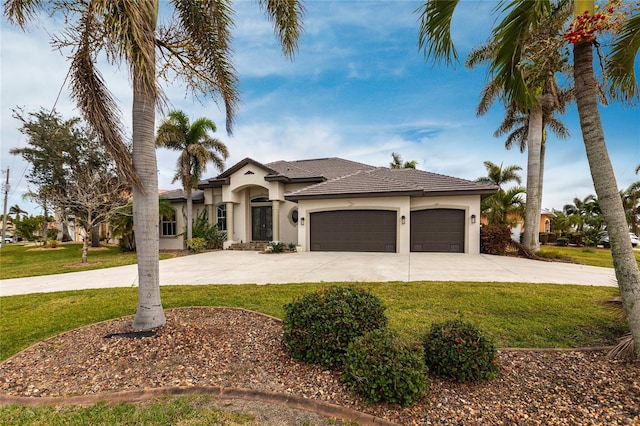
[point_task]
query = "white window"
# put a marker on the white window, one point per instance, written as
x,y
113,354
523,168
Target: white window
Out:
x,y
168,225
222,217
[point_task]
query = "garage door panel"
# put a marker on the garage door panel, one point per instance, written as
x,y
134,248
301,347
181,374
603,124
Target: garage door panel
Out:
x,y
353,230
438,230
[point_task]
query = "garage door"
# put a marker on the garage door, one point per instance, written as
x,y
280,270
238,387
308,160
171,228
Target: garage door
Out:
x,y
353,230
437,230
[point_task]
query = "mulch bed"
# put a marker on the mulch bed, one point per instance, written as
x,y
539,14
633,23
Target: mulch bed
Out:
x,y
235,348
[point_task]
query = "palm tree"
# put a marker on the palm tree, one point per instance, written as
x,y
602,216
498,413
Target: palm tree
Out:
x,y
196,148
396,162
543,60
580,210
505,207
518,19
497,175
631,203
17,211
195,45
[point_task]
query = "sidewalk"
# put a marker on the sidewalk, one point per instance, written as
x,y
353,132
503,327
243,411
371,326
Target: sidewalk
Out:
x,y
234,267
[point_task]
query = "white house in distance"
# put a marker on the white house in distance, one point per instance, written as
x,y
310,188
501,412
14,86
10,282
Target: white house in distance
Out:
x,y
333,204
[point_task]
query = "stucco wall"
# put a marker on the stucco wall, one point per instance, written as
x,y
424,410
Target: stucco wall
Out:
x,y
403,206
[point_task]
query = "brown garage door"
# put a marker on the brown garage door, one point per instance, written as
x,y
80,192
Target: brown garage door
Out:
x,y
437,230
353,230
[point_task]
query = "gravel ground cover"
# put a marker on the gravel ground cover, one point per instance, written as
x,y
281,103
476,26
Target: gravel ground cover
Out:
x,y
235,348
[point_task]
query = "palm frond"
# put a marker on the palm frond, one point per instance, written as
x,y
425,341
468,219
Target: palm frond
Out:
x,y
204,47
434,36
621,65
20,12
510,36
286,16
94,100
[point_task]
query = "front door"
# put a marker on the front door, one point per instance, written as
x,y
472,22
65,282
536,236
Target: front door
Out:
x,y
261,223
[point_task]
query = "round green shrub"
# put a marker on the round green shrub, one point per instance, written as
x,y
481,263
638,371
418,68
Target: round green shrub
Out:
x,y
379,366
458,350
319,326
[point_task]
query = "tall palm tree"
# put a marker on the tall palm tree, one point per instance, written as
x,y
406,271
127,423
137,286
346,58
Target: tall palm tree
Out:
x,y
517,20
196,149
542,59
499,175
195,45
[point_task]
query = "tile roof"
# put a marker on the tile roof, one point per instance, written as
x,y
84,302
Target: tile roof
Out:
x,y
337,177
382,181
327,168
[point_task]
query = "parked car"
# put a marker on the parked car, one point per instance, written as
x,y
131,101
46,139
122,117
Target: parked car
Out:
x,y
605,240
8,239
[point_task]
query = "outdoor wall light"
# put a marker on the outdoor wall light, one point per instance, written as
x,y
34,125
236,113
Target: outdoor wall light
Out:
x,y
403,219
302,221
473,218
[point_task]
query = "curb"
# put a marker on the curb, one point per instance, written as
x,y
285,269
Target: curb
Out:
x,y
323,409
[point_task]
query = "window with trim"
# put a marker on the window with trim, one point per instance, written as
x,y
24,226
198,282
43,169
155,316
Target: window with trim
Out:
x,y
221,214
168,225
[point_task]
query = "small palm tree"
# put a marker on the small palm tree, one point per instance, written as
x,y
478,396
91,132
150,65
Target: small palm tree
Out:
x,y
17,211
197,148
499,175
396,162
505,207
631,203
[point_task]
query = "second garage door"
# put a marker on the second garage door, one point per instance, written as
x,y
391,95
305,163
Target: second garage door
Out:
x,y
354,230
437,230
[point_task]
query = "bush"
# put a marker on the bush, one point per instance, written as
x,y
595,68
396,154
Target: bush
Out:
x,y
494,239
379,366
214,238
196,245
275,247
562,241
319,326
460,351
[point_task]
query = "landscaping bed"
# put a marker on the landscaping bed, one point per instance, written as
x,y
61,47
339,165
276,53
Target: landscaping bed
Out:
x,y
235,348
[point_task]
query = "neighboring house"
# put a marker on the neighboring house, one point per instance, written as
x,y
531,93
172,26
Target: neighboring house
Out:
x,y
516,230
333,204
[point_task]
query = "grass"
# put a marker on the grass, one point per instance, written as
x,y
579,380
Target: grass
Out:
x,y
187,410
517,315
583,255
28,261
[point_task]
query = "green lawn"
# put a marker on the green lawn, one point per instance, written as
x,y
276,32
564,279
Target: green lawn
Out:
x,y
188,410
18,260
517,315
583,255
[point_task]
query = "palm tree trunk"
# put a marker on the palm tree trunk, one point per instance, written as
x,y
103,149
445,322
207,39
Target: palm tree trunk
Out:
x,y
543,149
532,213
189,214
146,215
604,180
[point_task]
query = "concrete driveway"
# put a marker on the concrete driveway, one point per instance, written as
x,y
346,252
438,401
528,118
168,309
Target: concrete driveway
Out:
x,y
235,267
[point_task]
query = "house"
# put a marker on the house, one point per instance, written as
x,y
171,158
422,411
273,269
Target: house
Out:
x,y
333,204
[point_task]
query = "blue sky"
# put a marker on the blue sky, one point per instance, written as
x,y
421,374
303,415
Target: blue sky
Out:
x,y
358,88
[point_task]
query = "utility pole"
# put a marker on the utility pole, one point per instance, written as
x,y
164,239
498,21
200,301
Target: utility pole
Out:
x,y
4,212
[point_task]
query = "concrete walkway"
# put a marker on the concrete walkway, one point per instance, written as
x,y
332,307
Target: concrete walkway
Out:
x,y
234,267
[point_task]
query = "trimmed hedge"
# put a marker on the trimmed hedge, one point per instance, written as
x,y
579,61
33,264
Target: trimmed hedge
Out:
x,y
319,326
458,350
379,366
